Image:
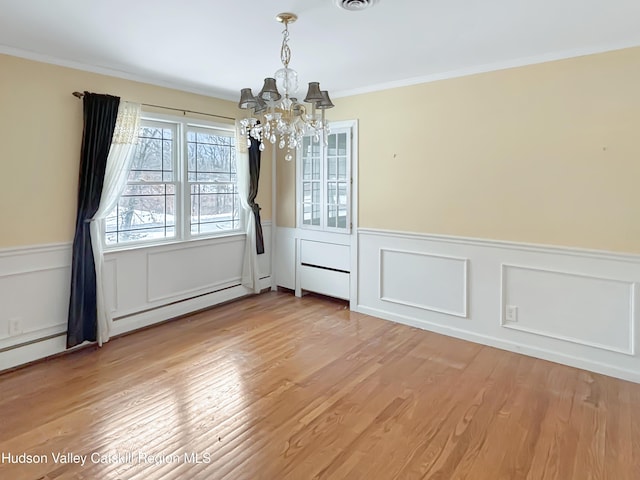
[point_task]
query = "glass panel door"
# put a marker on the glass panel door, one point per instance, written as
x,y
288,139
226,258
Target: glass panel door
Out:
x,y
324,182
338,180
311,182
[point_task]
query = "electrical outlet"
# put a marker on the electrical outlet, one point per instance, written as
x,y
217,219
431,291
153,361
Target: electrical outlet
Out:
x,y
511,313
15,327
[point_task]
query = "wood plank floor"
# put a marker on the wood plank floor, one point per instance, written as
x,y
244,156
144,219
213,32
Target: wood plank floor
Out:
x,y
275,387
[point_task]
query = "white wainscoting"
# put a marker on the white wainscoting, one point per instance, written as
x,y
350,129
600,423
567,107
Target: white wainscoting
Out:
x,y
323,254
34,291
144,286
421,280
192,270
556,304
285,254
315,261
572,306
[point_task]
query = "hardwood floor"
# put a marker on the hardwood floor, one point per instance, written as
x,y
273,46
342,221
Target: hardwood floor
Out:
x,y
275,387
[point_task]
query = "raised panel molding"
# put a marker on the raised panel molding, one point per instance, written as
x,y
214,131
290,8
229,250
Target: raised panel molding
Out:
x,y
34,289
111,283
285,255
427,281
574,306
569,306
181,272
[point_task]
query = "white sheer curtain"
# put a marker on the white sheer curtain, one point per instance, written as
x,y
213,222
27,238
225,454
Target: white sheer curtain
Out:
x,y
123,143
250,278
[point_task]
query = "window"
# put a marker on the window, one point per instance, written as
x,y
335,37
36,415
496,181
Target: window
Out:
x,y
212,179
181,185
325,182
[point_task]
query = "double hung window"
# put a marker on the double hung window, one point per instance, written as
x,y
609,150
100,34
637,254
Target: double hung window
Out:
x,y
182,184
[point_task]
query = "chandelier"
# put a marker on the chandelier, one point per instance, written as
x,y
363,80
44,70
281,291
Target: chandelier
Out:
x,y
283,118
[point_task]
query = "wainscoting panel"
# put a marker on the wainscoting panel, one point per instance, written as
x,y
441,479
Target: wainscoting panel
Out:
x,y
194,269
426,281
583,309
34,293
571,306
44,305
111,284
285,257
265,260
143,286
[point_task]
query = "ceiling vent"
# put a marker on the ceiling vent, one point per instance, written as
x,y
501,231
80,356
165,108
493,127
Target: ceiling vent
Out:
x,y
355,5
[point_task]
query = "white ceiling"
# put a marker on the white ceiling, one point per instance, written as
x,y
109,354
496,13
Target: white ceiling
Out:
x,y
216,47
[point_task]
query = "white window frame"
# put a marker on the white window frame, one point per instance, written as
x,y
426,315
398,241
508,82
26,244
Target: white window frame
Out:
x,y
335,128
180,126
187,184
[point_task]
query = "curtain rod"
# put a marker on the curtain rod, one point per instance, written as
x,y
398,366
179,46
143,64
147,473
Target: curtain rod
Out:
x,y
80,95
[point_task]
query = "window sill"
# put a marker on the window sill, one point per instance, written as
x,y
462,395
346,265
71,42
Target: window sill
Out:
x,y
172,244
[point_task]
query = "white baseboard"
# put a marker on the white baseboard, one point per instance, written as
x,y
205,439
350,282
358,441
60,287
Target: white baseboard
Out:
x,y
529,350
151,317
55,344
33,351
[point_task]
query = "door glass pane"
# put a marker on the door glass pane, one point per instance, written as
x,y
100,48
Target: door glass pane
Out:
x,y
332,193
316,168
342,168
331,147
331,216
342,194
342,217
315,214
342,143
332,168
315,149
316,192
306,192
306,168
306,214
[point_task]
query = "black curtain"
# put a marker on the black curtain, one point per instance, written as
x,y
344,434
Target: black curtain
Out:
x,y
100,112
254,176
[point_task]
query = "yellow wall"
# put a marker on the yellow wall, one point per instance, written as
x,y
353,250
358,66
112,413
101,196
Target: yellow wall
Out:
x,y
41,128
547,153
285,191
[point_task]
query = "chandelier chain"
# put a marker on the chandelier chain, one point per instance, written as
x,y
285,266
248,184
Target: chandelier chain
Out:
x,y
285,51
